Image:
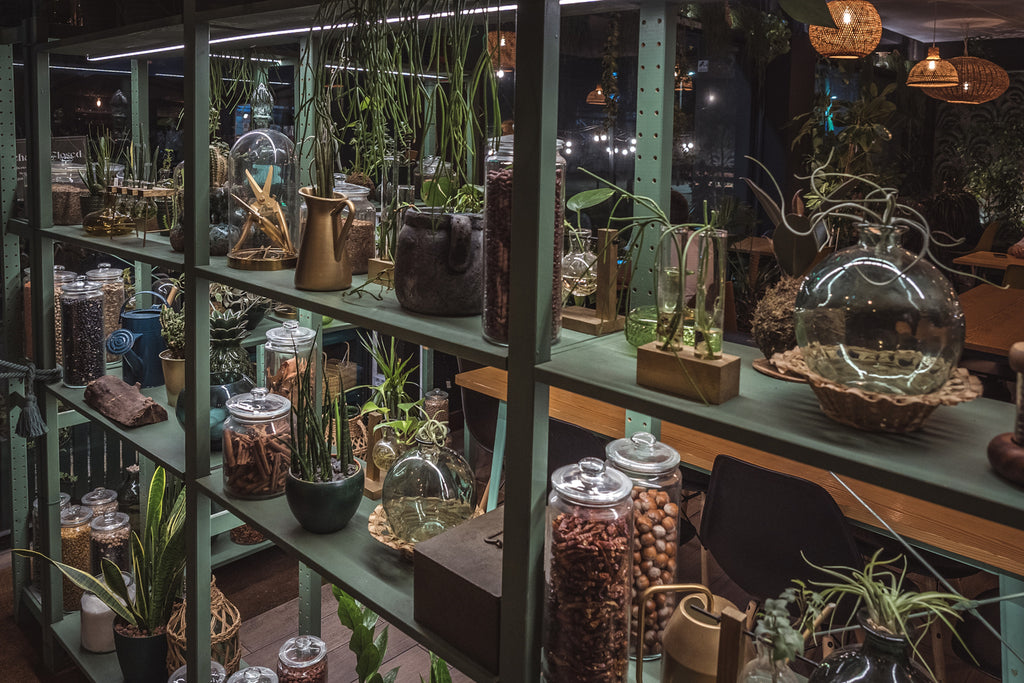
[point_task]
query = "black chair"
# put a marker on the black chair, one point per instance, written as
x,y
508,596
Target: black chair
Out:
x,y
759,525
982,650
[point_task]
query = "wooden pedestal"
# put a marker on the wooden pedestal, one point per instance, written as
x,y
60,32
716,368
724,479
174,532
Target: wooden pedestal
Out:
x,y
373,478
376,266
682,374
587,321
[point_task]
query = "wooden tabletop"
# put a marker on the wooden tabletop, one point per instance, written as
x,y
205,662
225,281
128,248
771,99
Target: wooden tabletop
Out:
x,y
762,246
988,259
988,543
994,318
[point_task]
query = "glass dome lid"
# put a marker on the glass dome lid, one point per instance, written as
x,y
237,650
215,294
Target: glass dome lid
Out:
x,y
642,453
590,482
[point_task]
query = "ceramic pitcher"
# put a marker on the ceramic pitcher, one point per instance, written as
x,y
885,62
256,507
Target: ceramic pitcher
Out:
x,y
323,265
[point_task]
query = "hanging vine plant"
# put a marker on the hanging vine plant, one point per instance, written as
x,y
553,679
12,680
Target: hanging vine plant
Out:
x,y
610,72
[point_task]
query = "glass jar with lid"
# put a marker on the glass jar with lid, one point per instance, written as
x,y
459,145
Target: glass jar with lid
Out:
x,y
75,549
362,236
111,539
100,500
288,349
111,281
61,276
256,455
67,186
97,633
81,310
217,673
588,557
302,659
254,674
37,535
498,242
653,469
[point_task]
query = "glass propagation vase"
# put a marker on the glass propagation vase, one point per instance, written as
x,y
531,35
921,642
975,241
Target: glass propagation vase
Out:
x,y
691,302
875,317
579,266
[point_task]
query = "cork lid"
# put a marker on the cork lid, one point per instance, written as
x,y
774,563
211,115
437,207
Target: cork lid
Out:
x,y
590,482
301,652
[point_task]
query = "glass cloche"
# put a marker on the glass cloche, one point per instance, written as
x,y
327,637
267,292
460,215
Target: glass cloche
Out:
x,y
262,182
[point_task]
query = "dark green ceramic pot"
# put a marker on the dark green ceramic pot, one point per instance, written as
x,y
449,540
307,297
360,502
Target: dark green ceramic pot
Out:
x,y
142,660
324,507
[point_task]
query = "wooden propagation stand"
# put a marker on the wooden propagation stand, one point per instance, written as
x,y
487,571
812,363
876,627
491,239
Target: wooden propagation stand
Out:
x,y
684,374
606,318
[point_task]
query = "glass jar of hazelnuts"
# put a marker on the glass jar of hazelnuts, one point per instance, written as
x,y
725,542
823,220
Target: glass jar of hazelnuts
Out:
x,y
653,468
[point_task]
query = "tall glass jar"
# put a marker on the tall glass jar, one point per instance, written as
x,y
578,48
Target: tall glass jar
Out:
x,y
75,549
254,674
498,242
81,310
112,283
256,455
100,500
97,633
587,558
653,468
362,236
37,534
61,277
287,350
691,298
874,317
111,539
302,659
67,186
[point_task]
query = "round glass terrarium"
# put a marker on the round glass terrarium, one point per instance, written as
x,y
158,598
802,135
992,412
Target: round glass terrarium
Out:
x,y
262,183
875,317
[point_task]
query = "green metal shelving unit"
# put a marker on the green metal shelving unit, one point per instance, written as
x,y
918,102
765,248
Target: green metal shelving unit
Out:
x,y
939,465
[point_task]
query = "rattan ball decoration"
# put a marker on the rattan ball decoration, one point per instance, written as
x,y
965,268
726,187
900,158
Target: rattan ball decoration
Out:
x,y
980,81
225,622
858,30
933,72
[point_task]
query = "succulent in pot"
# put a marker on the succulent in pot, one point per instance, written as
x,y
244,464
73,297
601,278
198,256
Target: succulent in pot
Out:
x,y
172,359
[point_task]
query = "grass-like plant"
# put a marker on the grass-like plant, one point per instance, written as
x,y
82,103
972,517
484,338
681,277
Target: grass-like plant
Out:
x,y
98,154
158,565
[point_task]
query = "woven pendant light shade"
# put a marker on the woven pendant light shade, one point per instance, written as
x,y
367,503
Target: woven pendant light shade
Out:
x,y
933,72
980,81
596,96
858,30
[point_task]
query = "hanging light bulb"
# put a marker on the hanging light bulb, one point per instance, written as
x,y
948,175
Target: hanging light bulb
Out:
x,y
500,73
596,96
857,32
933,71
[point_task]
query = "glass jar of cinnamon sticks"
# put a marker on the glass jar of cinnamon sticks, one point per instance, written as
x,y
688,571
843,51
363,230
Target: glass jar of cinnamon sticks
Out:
x,y
256,453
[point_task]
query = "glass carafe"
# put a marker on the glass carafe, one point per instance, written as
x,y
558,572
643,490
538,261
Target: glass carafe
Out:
x,y
579,266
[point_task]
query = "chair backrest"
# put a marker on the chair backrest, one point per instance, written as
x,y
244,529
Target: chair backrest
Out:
x,y
1014,276
987,238
479,411
757,522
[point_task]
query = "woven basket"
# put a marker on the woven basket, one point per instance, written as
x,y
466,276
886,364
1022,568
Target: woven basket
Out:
x,y
225,622
341,372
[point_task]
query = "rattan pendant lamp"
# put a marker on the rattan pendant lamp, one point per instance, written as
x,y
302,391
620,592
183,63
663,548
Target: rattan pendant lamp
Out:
x,y
979,81
933,71
857,32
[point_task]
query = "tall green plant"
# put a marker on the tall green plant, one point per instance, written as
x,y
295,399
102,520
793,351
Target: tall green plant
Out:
x,y
317,425
158,565
98,155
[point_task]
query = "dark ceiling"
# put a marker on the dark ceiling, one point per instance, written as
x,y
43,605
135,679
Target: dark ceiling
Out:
x,y
955,18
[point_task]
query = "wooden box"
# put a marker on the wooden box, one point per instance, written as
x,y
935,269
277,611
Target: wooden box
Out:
x,y
683,374
381,270
460,568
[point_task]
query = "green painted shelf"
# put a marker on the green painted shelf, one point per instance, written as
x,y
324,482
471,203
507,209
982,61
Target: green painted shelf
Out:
x,y
945,462
372,572
156,251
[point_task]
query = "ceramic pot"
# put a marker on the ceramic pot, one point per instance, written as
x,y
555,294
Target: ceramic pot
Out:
x,y
174,376
882,658
323,264
439,263
324,507
91,202
142,660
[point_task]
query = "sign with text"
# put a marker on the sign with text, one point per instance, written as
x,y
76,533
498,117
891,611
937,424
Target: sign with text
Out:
x,y
68,150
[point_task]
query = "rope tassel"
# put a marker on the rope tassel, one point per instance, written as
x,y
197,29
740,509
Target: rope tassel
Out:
x,y
30,423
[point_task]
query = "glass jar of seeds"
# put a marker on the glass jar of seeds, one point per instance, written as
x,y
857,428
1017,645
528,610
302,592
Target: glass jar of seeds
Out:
x,y
74,549
111,539
61,278
256,455
587,557
254,674
67,186
100,500
653,467
81,310
302,660
112,284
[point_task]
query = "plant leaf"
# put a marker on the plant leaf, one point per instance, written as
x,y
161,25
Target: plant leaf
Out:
x,y
766,202
814,12
795,253
86,581
589,198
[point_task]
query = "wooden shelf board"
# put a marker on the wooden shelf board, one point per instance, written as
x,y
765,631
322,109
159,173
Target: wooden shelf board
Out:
x,y
157,251
945,462
350,558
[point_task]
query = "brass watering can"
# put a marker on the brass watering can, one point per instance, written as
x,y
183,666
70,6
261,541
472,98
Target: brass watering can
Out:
x,y
690,641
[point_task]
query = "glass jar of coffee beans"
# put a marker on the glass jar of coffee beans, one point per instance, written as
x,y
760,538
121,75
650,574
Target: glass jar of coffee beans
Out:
x,y
111,282
81,310
111,539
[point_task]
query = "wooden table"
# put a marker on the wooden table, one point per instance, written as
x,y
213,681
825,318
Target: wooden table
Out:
x,y
987,259
994,318
756,247
987,543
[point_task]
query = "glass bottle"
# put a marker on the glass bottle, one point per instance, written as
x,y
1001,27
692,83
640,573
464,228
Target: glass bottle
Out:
x,y
217,673
110,221
97,632
362,236
111,539
74,549
498,242
256,452
81,310
653,468
287,350
112,283
426,491
763,669
579,266
386,449
263,161
587,558
882,658
254,674
302,659
100,500
872,317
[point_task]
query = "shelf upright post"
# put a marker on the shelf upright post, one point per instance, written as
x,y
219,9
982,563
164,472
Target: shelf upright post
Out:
x,y
39,201
140,135
12,449
532,253
197,338
304,84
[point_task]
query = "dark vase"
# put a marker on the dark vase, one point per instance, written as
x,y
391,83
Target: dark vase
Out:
x,y
142,659
439,263
219,395
883,658
323,507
